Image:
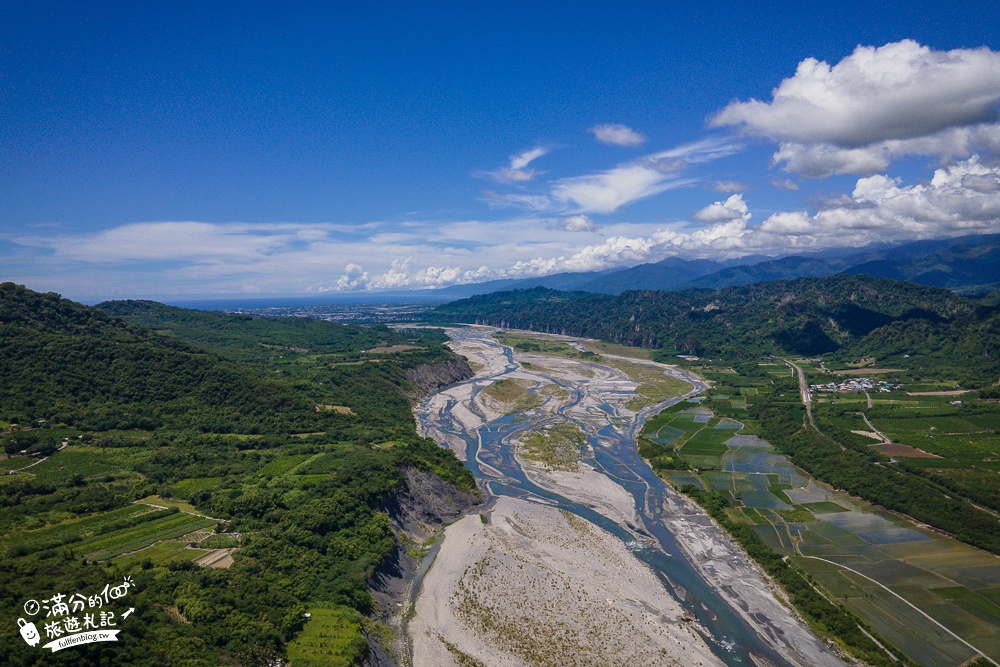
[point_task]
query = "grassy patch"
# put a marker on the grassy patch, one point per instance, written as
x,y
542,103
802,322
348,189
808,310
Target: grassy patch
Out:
x,y
654,386
798,515
160,554
282,464
556,447
512,394
330,638
160,501
188,487
539,345
601,347
824,507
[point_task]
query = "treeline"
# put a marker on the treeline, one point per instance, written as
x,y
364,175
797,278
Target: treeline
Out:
x,y
849,315
257,338
861,471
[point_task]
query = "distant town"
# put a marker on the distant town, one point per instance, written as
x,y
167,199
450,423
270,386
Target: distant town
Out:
x,y
855,384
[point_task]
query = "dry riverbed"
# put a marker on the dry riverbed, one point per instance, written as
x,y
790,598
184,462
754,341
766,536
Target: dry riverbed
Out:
x,y
534,585
539,586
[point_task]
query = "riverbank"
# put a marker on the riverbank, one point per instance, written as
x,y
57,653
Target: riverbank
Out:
x,y
540,586
612,480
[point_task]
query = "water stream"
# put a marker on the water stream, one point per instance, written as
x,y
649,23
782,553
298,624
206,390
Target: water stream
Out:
x,y
490,457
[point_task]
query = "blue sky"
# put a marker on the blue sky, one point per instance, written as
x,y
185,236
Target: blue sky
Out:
x,y
182,149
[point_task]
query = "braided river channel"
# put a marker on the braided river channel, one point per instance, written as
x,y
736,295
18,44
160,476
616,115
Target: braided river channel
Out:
x,y
740,630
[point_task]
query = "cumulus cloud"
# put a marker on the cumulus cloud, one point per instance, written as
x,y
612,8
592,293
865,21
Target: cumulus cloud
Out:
x,y
882,209
517,171
617,135
577,223
960,199
354,278
875,105
733,208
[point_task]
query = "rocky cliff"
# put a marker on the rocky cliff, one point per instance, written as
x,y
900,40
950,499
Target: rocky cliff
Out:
x,y
431,377
419,513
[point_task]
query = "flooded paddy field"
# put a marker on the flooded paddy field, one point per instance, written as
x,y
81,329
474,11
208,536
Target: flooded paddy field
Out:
x,y
933,597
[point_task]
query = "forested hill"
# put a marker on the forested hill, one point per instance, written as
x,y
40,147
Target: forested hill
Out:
x,y
806,316
249,337
291,442
67,363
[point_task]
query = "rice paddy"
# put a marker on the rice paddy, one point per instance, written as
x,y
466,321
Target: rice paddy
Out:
x,y
926,593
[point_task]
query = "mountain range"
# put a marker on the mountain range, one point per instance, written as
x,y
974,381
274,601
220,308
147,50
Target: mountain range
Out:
x,y
966,264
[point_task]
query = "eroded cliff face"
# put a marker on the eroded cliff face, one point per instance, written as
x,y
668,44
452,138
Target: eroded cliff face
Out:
x,y
431,377
419,513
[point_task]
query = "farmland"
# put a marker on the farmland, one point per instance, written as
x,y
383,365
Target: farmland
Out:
x,y
330,638
926,594
935,429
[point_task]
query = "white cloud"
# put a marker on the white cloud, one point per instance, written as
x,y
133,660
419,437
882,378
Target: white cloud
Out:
x,y
577,223
881,209
354,278
785,184
607,191
618,135
961,199
734,208
155,241
516,200
192,258
517,172
728,187
875,105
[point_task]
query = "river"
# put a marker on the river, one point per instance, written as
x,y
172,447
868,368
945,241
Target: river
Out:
x,y
490,456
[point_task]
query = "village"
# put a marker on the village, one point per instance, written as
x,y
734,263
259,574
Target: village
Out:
x,y
854,384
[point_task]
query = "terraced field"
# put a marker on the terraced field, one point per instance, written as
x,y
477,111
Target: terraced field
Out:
x,y
330,638
103,536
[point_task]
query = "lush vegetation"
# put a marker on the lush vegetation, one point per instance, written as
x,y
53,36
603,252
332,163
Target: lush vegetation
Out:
x,y
556,447
850,316
856,468
237,425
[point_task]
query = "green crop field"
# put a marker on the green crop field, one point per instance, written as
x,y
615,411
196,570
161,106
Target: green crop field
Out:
x,y
141,536
188,487
825,531
161,553
282,464
331,638
19,543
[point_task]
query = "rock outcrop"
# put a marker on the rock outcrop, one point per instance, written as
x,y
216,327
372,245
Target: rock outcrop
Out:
x,y
418,514
431,377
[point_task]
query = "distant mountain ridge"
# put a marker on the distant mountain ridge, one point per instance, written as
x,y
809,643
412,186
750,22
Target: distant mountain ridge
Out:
x,y
963,264
856,315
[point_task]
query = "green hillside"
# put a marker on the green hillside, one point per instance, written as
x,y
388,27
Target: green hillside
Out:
x,y
289,457
846,315
73,365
